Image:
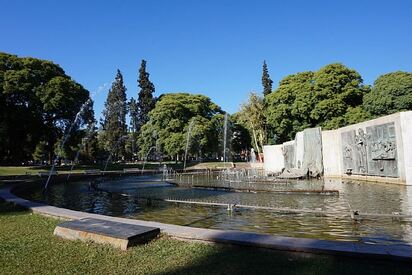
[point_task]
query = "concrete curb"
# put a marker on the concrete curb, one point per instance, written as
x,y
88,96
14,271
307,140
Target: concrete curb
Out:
x,y
392,252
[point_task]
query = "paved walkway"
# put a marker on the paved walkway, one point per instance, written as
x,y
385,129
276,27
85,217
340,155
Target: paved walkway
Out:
x,y
398,252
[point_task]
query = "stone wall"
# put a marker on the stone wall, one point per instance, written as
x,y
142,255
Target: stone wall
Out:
x,y
276,160
376,150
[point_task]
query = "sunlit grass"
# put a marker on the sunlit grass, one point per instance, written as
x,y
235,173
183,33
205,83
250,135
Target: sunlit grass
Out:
x,y
27,246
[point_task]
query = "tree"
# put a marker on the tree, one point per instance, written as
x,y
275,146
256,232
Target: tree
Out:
x,y
114,123
169,123
242,140
40,153
39,101
330,98
134,124
391,93
336,88
146,101
266,81
252,115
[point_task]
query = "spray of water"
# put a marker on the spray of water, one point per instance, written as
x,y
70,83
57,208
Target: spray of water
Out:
x,y
189,132
147,156
69,130
113,149
65,138
88,136
225,139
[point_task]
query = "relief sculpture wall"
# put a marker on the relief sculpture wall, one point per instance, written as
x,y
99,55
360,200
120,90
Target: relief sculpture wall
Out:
x,y
382,150
372,152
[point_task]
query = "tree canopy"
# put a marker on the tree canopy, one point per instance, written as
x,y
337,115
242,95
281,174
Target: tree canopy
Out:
x,y
331,97
145,101
169,122
391,93
266,81
38,102
114,122
253,117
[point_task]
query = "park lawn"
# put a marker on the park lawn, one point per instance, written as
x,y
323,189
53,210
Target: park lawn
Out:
x,y
34,170
27,246
19,170
31,170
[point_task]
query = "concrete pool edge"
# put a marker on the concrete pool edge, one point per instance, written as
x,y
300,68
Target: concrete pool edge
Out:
x,y
392,252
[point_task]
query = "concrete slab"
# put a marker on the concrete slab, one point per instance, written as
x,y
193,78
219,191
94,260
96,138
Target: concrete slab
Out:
x,y
118,234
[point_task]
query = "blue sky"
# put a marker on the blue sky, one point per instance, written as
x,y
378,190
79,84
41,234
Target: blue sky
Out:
x,y
211,47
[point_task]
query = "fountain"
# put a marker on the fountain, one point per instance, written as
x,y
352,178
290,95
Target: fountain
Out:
x,y
68,132
65,139
224,139
147,155
76,158
252,156
114,148
189,131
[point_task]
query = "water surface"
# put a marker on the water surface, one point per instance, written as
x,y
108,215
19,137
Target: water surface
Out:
x,y
140,198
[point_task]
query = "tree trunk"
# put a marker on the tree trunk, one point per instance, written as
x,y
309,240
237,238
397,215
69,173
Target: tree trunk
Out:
x,y
255,138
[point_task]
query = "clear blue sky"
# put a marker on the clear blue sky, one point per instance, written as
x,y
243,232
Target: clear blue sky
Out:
x,y
211,47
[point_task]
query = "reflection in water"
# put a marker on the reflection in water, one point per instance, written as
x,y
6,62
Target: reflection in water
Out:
x,y
137,197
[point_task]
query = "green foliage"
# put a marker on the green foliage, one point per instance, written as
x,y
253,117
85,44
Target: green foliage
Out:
x,y
169,123
39,101
40,153
252,116
134,115
114,122
266,81
330,98
146,101
391,93
241,140
134,127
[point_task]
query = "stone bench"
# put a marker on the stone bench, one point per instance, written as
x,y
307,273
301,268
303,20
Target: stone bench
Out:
x,y
120,235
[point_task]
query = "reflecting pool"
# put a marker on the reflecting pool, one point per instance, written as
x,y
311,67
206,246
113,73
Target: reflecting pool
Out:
x,y
142,197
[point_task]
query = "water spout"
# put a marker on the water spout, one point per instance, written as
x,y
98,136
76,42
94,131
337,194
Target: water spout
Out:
x,y
147,155
189,131
114,148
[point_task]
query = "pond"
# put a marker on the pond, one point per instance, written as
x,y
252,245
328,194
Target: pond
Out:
x,y
143,198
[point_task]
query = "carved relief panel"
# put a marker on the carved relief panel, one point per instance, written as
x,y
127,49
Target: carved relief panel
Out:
x,y
354,152
371,153
382,150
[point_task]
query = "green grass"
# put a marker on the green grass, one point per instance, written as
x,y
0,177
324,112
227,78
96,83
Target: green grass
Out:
x,y
27,246
34,170
18,170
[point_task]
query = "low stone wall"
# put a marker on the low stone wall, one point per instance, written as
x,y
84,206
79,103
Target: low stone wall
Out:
x,y
374,150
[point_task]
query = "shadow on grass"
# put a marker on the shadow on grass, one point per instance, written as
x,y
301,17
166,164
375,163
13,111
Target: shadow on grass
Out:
x,y
7,208
243,260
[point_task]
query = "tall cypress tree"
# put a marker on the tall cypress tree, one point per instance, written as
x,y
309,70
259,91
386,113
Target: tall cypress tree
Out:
x,y
134,123
266,81
114,123
146,101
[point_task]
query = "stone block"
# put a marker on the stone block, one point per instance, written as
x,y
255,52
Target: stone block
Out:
x,y
120,235
274,159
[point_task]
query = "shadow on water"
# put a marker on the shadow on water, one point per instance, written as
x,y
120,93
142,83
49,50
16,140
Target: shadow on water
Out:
x,y
224,259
